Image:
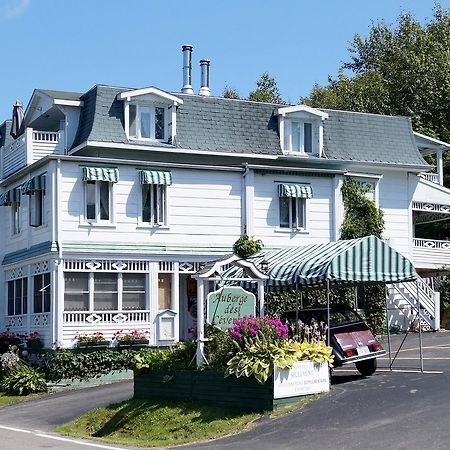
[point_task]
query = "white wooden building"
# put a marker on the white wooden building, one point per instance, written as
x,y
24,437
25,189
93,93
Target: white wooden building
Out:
x,y
113,198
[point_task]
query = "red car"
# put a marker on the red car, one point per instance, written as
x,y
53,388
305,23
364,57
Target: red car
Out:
x,y
351,339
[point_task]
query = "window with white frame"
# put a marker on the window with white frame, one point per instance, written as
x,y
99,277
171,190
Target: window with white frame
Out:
x,y
154,196
35,189
17,297
98,193
37,208
292,205
147,122
301,129
301,137
104,291
41,293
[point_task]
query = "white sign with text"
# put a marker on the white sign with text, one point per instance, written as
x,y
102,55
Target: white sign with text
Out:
x,y
303,378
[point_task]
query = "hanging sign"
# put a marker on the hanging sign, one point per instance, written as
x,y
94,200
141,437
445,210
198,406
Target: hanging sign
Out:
x,y
229,304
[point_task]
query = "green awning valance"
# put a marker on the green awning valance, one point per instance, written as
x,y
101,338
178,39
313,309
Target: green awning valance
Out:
x,y
100,174
295,190
35,184
155,177
11,196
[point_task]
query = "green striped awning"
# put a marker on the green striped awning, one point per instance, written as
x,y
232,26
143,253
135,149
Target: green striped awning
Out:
x,y
100,174
155,177
295,190
32,185
11,196
354,261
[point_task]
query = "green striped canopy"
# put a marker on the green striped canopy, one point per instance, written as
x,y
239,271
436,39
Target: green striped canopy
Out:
x,y
354,261
100,174
295,190
11,196
32,185
155,177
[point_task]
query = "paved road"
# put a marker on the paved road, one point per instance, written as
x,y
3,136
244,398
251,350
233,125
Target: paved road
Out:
x,y
398,410
25,426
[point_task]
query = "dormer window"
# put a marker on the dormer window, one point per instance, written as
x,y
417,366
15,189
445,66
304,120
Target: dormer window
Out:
x,y
301,130
150,114
147,122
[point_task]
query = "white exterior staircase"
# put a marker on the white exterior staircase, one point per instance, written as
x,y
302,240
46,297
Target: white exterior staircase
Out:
x,y
406,299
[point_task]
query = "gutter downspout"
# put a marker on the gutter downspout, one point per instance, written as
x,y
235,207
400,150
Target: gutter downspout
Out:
x,y
244,200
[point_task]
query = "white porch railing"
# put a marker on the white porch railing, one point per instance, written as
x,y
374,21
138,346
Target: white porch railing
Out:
x,y
428,253
35,320
429,176
106,317
30,147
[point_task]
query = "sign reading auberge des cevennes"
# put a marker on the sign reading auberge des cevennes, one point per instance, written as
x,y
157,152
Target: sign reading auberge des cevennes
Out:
x,y
229,304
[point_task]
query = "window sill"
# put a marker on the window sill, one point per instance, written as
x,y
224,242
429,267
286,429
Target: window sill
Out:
x,y
291,230
96,225
40,227
144,226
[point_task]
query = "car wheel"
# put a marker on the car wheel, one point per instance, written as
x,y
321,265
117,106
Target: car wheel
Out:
x,y
367,367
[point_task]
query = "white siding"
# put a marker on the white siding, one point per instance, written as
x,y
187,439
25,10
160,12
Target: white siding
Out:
x,y
319,211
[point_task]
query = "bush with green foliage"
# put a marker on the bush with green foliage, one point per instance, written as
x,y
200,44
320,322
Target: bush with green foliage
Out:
x,y
179,357
69,365
245,247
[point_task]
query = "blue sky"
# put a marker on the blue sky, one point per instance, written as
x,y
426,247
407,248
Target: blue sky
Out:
x,y
75,44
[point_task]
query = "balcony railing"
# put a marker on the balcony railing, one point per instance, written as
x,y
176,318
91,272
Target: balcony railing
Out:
x,y
429,176
431,253
30,147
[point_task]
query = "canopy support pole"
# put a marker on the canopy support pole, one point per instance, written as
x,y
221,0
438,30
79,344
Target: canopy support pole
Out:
x,y
200,356
328,313
386,298
296,310
420,326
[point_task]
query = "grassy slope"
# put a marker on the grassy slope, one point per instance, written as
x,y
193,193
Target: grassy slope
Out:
x,y
143,423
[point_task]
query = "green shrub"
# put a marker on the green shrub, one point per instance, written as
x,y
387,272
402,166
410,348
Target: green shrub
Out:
x,y
68,365
23,380
179,357
245,247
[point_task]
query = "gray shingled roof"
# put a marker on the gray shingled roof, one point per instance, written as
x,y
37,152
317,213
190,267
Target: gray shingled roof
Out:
x,y
5,137
238,126
370,138
62,95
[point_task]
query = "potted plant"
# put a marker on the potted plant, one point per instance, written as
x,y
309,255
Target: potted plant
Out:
x,y
94,340
33,341
131,338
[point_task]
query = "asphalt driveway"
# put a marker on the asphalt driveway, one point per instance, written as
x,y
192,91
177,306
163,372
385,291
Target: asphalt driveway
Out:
x,y
391,409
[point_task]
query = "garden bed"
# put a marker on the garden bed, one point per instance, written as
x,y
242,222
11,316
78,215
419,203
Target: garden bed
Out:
x,y
211,387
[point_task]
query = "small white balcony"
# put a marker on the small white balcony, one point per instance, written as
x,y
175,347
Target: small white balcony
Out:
x,y
30,147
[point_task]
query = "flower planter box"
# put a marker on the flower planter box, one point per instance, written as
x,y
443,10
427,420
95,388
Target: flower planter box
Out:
x,y
132,343
212,387
93,345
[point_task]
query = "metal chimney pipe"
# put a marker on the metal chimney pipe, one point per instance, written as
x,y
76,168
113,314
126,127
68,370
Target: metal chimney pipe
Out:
x,y
204,66
187,69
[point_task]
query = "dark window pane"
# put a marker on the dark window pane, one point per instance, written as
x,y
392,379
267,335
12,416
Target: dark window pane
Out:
x,y
18,297
25,295
133,294
146,208
132,120
159,123
38,289
104,200
47,292
105,291
10,298
284,212
76,292
90,200
308,137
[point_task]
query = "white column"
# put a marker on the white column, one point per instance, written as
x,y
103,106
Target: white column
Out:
x,y
338,206
440,166
200,321
58,300
261,297
153,299
29,145
249,197
176,300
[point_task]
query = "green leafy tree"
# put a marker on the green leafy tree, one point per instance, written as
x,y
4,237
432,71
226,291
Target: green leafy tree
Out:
x,y
230,92
363,218
266,90
398,70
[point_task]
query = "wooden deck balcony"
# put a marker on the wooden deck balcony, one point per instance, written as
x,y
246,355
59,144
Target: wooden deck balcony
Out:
x,y
30,147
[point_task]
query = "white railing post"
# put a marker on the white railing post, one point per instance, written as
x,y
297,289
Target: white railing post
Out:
x,y
437,311
29,145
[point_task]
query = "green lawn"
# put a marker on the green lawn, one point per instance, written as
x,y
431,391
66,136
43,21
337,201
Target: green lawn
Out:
x,y
8,399
145,423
